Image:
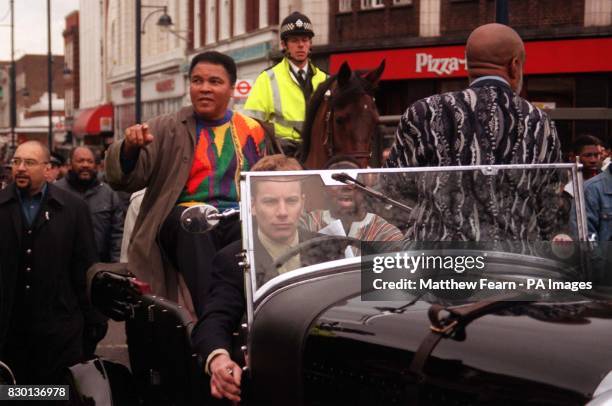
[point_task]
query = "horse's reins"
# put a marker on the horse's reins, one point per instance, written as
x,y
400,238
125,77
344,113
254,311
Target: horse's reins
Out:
x,y
329,132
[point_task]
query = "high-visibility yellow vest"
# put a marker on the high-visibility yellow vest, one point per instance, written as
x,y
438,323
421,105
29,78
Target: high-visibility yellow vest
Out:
x,y
277,98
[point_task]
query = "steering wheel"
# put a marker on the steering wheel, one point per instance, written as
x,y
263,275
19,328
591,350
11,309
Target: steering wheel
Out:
x,y
315,242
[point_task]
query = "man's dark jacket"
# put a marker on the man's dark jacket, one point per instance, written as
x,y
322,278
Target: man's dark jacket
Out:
x,y
107,215
224,305
42,296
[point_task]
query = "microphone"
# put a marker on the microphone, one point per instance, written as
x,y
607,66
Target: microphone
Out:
x,y
347,180
229,213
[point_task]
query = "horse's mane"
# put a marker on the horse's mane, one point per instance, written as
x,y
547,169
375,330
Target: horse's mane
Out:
x,y
357,86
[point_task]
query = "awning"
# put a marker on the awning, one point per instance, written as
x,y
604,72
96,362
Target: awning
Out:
x,y
93,121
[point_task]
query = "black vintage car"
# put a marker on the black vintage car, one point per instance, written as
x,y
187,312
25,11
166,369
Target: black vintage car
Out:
x,y
378,325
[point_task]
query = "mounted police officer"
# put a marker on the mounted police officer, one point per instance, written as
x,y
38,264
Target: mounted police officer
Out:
x,y
281,93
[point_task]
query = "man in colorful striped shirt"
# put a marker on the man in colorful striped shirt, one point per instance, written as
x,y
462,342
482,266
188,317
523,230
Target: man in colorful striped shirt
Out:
x,y
192,156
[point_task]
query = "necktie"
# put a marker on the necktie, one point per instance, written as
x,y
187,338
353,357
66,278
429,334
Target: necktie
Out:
x,y
305,84
301,77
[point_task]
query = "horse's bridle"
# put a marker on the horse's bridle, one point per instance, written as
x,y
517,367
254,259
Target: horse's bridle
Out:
x,y
329,133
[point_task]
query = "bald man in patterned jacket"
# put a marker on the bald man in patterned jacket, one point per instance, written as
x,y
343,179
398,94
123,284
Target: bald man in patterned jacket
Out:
x,y
486,124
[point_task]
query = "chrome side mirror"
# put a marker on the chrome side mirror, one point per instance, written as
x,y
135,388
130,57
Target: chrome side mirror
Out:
x,y
197,219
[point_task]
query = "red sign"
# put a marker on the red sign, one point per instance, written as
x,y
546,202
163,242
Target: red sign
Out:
x,y
564,56
128,92
164,85
242,88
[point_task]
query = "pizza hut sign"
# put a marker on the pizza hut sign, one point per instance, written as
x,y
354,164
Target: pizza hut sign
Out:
x,y
440,66
544,57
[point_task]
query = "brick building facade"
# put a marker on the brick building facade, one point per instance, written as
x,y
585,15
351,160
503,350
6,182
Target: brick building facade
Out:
x,y
31,79
579,98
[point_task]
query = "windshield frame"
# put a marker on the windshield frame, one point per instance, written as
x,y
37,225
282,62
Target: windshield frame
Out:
x,y
254,293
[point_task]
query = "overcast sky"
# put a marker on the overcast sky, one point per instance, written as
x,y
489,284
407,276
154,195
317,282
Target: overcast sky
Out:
x,y
31,26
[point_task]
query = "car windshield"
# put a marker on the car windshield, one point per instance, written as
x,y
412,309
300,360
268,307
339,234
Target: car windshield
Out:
x,y
299,219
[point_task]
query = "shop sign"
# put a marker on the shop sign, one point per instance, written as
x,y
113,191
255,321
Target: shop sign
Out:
x,y
106,124
165,85
243,88
128,92
59,125
68,122
440,66
256,51
543,57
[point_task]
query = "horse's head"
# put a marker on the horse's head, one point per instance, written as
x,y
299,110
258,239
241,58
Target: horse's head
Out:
x,y
352,115
341,118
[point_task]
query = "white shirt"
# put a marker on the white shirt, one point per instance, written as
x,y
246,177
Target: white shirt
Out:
x,y
295,70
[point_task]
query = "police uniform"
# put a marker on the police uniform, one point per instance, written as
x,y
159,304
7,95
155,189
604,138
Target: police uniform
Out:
x,y
280,94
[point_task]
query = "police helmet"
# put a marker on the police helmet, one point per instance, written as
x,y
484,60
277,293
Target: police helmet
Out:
x,y
296,24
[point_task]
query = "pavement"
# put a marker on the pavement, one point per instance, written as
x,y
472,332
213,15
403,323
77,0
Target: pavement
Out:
x,y
114,346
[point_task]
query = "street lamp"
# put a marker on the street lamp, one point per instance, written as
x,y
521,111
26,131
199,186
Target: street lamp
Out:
x,y
163,21
49,79
12,92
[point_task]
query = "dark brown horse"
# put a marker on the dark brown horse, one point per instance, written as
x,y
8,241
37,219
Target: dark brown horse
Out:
x,y
341,118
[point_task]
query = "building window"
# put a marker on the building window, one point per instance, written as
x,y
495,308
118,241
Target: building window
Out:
x,y
367,4
597,13
263,13
224,24
239,17
114,48
345,6
211,19
68,55
429,19
401,2
197,40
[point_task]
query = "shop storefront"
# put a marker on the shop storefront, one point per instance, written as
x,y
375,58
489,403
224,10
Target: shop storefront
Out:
x,y
252,56
571,79
161,94
94,126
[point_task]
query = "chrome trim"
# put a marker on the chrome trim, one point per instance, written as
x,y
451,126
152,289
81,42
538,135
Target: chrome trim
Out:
x,y
8,370
604,386
581,222
485,168
602,395
247,245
